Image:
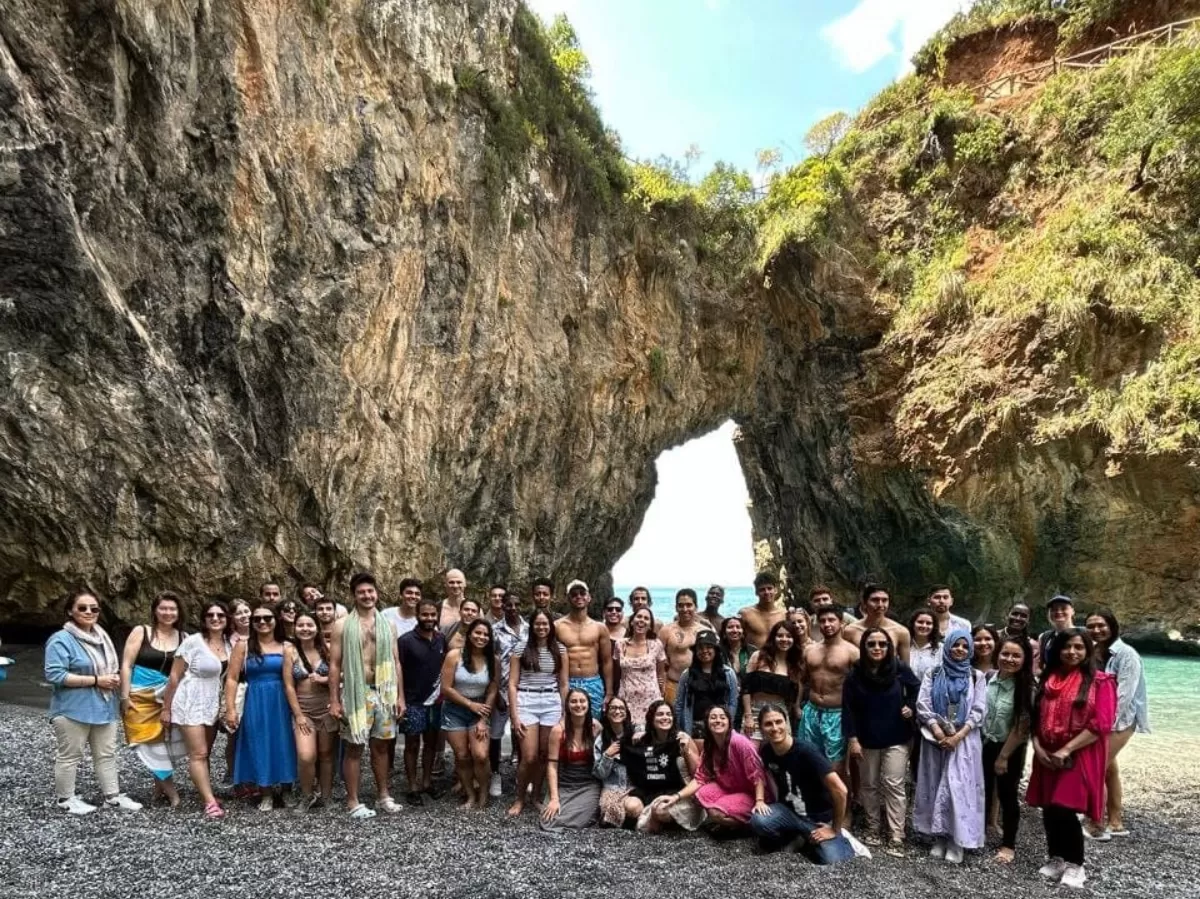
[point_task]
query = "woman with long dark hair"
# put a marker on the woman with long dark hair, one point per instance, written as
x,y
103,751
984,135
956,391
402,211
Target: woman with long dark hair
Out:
x,y
193,697
1005,733
574,790
1074,708
879,698
266,746
924,654
1121,661
983,659
616,732
659,763
949,803
83,670
737,654
145,669
730,771
642,662
470,681
306,685
773,675
708,681
537,691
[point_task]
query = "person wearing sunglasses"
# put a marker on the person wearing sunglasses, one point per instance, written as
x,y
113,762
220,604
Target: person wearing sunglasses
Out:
x,y
193,696
286,612
265,754
83,670
879,700
614,620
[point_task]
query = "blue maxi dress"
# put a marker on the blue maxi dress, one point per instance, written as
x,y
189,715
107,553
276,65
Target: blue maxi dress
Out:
x,y
265,751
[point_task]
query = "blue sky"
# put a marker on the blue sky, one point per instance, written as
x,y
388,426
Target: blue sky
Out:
x,y
733,77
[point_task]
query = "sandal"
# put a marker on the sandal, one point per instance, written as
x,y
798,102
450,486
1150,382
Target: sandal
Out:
x,y
213,811
361,813
1005,856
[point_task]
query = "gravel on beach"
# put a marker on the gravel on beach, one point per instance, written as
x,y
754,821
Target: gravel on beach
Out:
x,y
438,851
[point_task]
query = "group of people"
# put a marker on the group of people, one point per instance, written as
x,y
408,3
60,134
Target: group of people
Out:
x,y
772,722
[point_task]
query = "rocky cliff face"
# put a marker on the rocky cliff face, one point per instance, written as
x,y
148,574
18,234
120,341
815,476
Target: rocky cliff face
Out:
x,y
258,316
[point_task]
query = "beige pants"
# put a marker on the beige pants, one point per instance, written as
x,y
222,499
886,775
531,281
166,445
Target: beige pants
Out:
x,y
883,773
72,737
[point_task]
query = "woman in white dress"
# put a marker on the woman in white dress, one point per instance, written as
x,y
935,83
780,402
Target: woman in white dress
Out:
x,y
193,695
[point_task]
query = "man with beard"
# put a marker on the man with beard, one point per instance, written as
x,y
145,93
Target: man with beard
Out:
x,y
941,601
875,604
362,660
826,664
614,618
589,649
678,637
422,651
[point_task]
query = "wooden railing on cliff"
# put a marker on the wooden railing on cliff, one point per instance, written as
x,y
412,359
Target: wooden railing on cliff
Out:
x,y
1156,39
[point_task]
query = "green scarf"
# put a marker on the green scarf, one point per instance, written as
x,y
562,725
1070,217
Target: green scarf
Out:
x,y
354,686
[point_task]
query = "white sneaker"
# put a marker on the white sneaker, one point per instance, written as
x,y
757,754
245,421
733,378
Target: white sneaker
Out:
x,y
267,803
938,850
495,788
123,802
76,806
1053,869
954,853
1074,877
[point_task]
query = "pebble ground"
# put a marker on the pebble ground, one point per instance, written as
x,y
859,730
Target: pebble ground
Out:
x,y
438,851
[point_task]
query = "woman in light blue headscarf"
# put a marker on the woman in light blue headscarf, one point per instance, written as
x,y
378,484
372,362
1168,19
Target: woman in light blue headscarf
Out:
x,y
950,796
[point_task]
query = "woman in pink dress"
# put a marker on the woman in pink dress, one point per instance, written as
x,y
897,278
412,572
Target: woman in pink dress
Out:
x,y
730,769
1074,708
643,663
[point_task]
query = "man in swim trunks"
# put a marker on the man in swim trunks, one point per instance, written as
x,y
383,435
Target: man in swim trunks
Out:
x,y
543,595
826,664
757,620
589,649
639,598
355,664
678,637
875,603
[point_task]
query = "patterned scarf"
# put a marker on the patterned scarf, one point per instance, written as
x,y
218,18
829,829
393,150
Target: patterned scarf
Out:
x,y
99,649
952,679
354,686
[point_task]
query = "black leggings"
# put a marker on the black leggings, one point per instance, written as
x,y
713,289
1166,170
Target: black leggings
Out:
x,y
1064,834
1005,787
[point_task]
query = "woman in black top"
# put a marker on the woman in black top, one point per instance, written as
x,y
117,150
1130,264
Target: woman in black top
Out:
x,y
879,700
773,675
652,765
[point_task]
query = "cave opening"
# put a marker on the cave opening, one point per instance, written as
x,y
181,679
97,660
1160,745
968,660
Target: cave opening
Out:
x,y
696,531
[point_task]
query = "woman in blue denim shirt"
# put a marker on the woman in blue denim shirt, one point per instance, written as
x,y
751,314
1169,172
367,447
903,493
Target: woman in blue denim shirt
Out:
x,y
83,669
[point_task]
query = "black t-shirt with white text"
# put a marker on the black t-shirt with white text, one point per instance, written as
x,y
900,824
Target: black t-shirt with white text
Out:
x,y
799,776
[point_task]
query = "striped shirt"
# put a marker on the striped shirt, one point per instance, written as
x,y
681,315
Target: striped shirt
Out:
x,y
543,679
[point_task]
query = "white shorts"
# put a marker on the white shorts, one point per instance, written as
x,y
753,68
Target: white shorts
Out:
x,y
544,709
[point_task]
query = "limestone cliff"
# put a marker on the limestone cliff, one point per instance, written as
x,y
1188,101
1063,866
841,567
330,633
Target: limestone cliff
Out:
x,y
272,302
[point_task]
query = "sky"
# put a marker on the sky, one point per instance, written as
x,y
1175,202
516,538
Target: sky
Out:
x,y
731,77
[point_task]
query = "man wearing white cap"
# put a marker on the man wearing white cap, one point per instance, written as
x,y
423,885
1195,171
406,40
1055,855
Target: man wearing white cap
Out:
x,y
589,649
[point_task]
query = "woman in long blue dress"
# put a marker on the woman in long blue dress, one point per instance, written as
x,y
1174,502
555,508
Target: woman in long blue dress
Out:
x,y
950,708
265,750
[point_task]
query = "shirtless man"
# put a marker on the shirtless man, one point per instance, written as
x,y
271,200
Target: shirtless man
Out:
x,y
362,659
875,603
757,620
712,607
941,601
456,588
678,637
639,598
589,649
543,595
826,664
614,618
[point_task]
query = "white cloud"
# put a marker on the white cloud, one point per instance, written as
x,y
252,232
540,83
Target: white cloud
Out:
x,y
878,29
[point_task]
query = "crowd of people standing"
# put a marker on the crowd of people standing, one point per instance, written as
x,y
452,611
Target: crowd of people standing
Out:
x,y
774,722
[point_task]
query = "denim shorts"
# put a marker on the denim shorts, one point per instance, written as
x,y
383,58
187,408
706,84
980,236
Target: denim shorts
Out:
x,y
457,718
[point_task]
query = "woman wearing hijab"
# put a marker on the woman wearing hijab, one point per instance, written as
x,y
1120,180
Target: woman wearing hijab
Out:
x,y
1073,713
83,671
879,699
950,799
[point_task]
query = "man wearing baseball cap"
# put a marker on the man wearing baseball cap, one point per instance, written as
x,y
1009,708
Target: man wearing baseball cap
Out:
x,y
1060,611
589,648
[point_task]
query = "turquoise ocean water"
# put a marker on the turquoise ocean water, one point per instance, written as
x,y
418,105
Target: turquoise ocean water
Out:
x,y
1170,680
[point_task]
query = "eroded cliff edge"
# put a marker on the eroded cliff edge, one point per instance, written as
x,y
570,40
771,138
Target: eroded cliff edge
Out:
x,y
263,310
